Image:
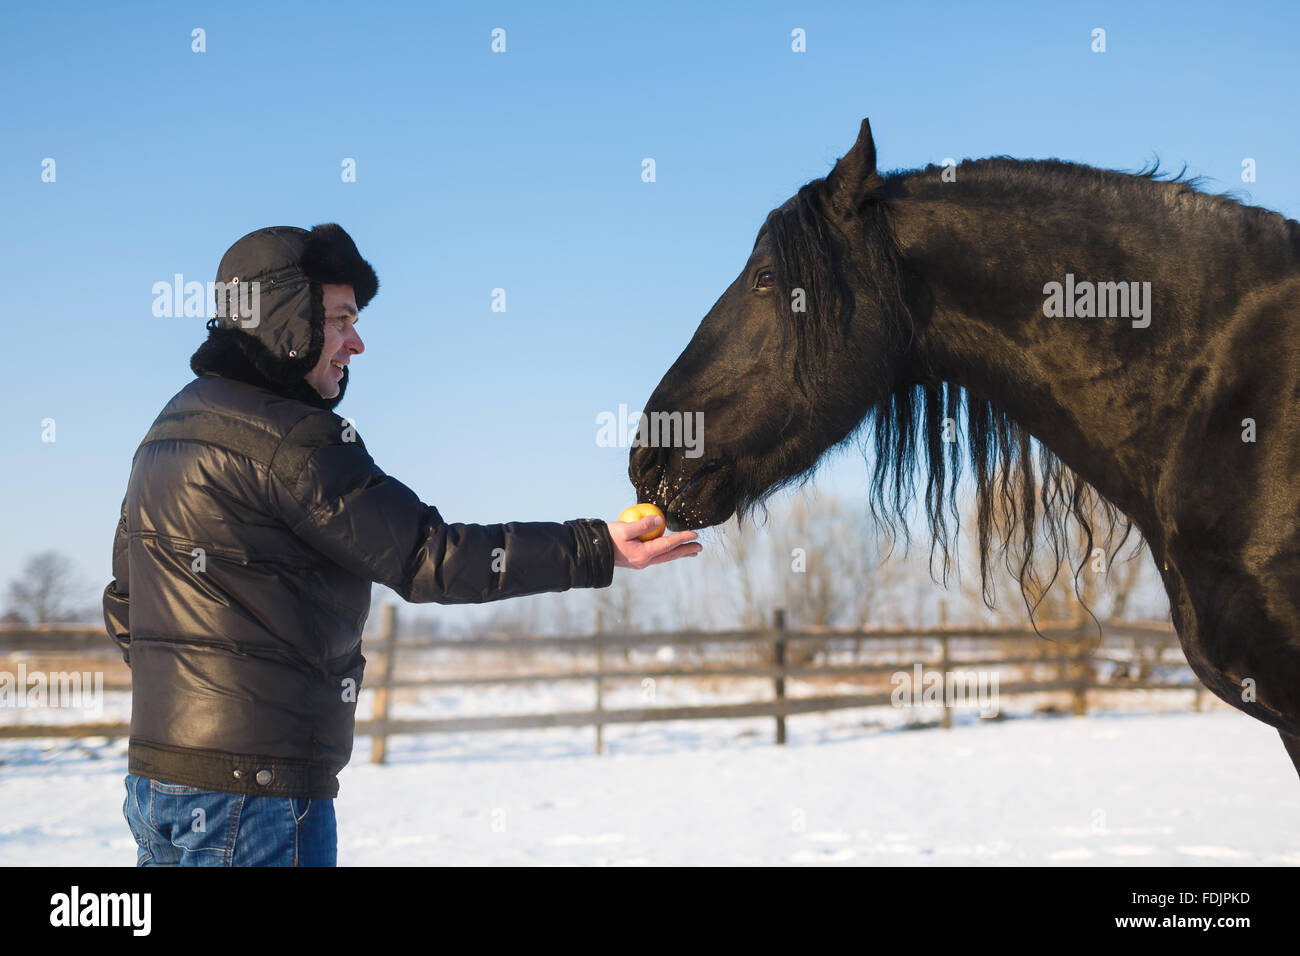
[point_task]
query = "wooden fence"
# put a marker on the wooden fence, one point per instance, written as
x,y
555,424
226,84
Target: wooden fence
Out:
x,y
1069,652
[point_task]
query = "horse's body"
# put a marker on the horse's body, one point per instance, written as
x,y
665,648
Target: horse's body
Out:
x,y
922,292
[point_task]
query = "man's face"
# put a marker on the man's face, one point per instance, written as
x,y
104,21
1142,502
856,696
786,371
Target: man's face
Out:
x,y
341,340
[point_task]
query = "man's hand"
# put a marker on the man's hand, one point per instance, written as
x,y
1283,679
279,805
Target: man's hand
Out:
x,y
631,553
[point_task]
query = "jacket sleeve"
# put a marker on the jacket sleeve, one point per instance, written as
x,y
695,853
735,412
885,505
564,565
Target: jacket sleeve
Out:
x,y
329,491
117,604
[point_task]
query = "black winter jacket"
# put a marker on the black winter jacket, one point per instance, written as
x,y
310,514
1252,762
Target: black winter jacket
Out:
x,y
252,528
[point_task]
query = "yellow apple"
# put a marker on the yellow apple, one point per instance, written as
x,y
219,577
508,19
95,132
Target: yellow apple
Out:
x,y
644,510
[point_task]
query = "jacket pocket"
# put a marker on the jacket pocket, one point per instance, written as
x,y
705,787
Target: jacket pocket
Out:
x,y
182,546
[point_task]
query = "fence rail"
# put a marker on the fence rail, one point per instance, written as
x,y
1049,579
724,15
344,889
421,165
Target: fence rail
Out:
x,y
1068,649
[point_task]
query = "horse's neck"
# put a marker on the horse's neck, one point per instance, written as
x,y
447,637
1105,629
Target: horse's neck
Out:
x,y
1092,389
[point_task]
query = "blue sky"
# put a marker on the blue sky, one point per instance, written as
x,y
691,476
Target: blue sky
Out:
x,y
520,170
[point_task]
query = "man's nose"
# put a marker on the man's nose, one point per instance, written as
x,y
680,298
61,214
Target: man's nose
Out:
x,y
354,343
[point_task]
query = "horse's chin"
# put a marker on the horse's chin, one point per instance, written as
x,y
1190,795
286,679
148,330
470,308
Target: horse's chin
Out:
x,y
693,519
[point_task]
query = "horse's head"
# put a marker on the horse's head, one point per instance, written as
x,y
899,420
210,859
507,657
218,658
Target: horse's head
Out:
x,y
809,337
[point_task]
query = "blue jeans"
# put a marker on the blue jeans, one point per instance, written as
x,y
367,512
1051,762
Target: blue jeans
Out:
x,y
176,825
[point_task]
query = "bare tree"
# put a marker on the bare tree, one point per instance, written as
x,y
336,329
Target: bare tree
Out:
x,y
48,590
739,574
686,593
828,556
620,605
514,618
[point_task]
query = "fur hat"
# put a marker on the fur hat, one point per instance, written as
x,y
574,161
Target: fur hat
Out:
x,y
270,323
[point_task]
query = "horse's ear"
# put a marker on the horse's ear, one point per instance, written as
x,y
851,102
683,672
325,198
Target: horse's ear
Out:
x,y
854,176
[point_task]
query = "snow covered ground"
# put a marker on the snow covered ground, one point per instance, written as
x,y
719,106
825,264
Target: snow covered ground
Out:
x,y
1178,789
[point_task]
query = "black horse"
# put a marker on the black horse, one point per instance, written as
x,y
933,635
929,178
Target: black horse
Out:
x,y
1120,350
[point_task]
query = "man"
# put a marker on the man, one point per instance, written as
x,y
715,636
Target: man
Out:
x,y
253,524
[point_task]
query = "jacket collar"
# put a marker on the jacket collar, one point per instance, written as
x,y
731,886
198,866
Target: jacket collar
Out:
x,y
224,354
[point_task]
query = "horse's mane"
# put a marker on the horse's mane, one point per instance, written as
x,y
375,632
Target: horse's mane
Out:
x,y
1025,503
1051,177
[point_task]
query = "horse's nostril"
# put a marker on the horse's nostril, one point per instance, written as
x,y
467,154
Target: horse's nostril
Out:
x,y
644,466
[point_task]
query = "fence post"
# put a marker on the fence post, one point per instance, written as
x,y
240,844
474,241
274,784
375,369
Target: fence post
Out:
x,y
388,639
1086,668
600,685
945,662
1087,675
778,683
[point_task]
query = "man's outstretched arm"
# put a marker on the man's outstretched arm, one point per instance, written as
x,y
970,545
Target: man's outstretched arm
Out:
x,y
331,494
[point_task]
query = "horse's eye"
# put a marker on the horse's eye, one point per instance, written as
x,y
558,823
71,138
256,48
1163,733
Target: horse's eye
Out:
x,y
765,280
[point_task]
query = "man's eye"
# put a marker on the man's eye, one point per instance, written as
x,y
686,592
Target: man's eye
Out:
x,y
765,280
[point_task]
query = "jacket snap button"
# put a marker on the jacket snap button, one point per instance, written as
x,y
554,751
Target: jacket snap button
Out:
x,y
263,777
239,774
